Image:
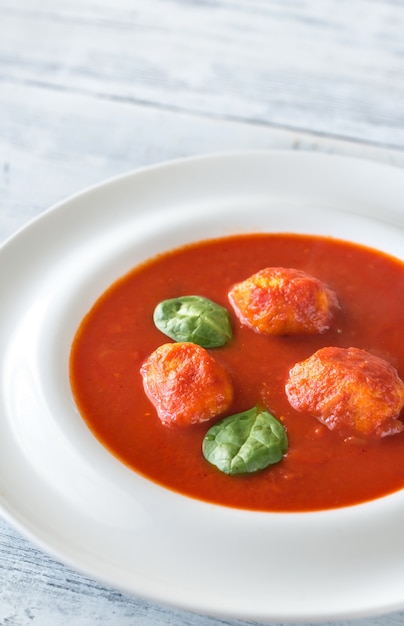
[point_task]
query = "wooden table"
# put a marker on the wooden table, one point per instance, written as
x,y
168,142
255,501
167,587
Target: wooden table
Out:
x,y
90,89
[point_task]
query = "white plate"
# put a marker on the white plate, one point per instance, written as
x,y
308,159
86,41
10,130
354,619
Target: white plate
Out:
x,y
68,494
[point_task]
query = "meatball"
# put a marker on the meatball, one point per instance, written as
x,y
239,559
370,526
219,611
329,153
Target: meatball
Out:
x,y
282,301
349,390
186,384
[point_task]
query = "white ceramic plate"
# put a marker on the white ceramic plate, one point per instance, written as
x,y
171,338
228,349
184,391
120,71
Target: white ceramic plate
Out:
x,y
69,495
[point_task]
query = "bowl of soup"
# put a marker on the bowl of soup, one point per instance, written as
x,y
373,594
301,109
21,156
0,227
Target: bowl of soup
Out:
x,y
202,384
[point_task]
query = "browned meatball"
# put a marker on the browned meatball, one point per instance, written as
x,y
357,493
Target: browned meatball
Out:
x,y
186,384
349,390
281,301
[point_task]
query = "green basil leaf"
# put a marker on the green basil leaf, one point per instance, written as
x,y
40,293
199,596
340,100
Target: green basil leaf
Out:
x,y
245,442
195,319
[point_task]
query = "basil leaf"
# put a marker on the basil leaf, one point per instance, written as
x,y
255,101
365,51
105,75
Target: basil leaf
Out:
x,y
245,442
195,319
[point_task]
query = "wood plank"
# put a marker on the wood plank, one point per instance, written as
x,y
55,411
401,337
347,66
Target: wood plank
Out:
x,y
329,67
53,144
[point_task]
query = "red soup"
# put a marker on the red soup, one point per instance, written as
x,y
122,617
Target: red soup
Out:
x,y
321,469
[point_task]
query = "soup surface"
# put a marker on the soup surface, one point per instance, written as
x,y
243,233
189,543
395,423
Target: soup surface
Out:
x,y
321,469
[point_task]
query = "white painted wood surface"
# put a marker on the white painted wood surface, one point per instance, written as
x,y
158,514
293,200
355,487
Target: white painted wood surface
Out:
x,y
94,88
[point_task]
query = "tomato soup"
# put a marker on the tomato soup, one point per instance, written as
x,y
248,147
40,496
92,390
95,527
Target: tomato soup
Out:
x,y
321,469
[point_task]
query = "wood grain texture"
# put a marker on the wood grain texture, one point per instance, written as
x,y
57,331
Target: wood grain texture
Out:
x,y
332,67
54,144
92,88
